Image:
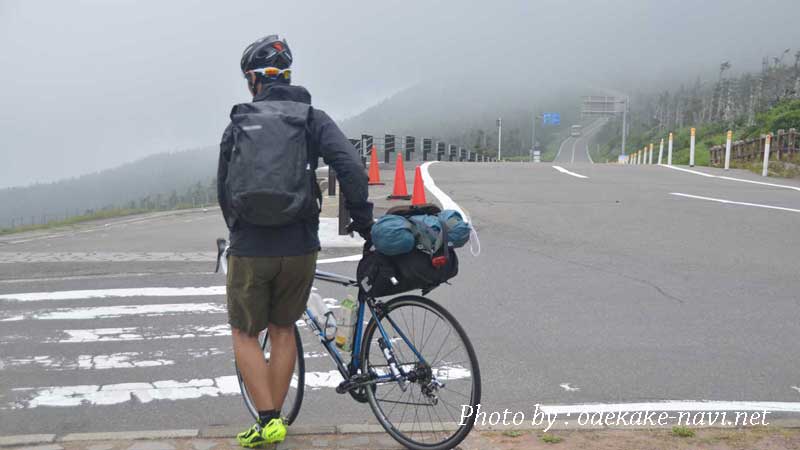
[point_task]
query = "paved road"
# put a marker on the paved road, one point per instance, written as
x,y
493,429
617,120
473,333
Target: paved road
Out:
x,y
576,149
605,289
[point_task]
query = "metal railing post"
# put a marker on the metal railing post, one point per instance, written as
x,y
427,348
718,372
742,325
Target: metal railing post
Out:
x,y
331,182
344,215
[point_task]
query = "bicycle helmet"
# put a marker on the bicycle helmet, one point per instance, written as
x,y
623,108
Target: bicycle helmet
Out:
x,y
269,51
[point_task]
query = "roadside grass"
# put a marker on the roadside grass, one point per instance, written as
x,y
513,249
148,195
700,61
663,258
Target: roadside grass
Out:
x,y
684,432
111,213
551,439
789,167
513,433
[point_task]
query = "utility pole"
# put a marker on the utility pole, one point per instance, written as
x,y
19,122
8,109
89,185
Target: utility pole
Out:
x,y
499,138
624,123
533,136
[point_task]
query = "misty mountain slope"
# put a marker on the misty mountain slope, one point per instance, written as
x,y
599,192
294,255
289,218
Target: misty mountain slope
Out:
x,y
454,110
152,175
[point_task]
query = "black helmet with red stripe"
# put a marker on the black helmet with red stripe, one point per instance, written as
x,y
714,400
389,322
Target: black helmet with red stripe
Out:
x,y
269,51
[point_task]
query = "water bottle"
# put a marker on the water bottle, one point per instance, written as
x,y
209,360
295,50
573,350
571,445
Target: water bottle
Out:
x,y
346,326
323,316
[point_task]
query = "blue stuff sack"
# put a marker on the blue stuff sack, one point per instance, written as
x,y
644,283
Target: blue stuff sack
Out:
x,y
457,230
428,232
393,235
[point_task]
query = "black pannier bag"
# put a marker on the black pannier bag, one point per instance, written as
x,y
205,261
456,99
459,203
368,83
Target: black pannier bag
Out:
x,y
380,275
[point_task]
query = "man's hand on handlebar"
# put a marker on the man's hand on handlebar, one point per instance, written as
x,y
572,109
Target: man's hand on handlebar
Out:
x,y
361,229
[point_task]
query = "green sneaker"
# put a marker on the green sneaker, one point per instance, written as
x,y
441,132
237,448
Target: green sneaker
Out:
x,y
256,436
274,431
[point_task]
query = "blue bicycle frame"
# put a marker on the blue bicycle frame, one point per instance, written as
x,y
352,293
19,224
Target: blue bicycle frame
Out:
x,y
364,302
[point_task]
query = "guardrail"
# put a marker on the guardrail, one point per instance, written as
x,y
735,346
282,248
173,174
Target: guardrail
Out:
x,y
778,147
783,144
415,149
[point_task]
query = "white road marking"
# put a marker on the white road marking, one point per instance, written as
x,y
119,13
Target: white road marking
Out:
x,y
722,177
572,159
340,259
673,405
115,293
139,334
731,202
110,312
560,147
124,360
796,388
444,199
563,170
113,394
569,388
145,392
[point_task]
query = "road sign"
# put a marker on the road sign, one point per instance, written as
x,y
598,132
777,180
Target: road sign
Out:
x,y
551,119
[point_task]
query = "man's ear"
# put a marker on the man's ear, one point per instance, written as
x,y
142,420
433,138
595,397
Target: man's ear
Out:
x,y
252,85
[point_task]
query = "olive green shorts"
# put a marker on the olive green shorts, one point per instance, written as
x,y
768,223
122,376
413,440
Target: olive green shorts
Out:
x,y
268,289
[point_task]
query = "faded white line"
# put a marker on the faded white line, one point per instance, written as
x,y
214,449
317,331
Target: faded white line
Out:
x,y
560,147
572,159
672,405
145,392
109,312
731,202
126,293
123,360
444,199
796,388
722,177
115,293
568,388
125,334
563,170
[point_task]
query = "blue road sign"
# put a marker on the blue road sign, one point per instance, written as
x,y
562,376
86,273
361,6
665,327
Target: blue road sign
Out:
x,y
551,119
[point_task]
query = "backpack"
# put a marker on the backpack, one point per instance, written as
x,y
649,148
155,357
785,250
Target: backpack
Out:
x,y
270,181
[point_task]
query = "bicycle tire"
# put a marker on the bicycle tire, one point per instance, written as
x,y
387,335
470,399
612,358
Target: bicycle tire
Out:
x,y
462,430
290,414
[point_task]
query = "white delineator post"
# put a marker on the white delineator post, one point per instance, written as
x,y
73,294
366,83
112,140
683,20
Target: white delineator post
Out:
x,y
669,151
651,154
765,170
660,151
728,150
499,139
691,149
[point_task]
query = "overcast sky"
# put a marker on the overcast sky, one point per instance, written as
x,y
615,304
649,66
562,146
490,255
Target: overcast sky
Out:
x,y
87,85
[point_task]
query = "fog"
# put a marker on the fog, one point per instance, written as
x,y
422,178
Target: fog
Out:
x,y
87,85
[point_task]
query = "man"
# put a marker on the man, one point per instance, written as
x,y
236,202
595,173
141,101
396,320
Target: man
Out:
x,y
271,268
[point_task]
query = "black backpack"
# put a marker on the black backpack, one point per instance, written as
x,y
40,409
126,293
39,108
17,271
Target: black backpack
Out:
x,y
270,181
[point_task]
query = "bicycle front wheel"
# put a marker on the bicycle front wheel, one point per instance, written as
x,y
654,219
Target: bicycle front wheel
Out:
x,y
294,397
429,343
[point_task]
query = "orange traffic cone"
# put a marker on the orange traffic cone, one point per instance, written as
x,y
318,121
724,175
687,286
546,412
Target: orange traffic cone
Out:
x,y
400,192
419,189
374,171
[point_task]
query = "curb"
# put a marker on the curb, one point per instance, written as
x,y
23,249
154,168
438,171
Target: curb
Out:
x,y
353,429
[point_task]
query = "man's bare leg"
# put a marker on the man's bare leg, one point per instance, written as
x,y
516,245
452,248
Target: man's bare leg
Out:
x,y
283,352
253,367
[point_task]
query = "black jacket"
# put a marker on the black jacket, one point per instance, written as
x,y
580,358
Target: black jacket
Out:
x,y
326,141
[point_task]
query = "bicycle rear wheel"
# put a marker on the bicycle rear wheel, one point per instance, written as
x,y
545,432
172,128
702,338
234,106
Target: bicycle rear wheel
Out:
x,y
294,397
427,414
